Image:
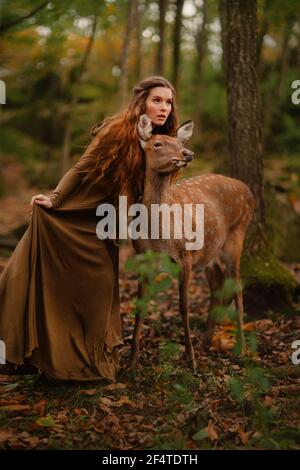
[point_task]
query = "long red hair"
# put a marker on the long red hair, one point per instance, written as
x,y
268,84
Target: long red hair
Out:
x,y
115,150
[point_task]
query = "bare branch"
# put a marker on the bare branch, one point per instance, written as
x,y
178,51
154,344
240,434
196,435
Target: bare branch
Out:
x,y
10,24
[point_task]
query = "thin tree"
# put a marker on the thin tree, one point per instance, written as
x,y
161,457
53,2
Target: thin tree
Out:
x,y
176,43
140,6
160,57
298,40
124,61
66,155
200,42
262,32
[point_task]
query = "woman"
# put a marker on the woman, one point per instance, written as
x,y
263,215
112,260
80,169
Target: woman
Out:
x,y
59,292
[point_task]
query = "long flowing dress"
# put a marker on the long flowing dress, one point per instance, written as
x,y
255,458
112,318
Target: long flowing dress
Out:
x,y
59,296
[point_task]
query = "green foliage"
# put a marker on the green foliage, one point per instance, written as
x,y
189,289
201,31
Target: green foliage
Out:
x,y
248,390
285,439
17,145
155,271
229,288
236,390
169,351
181,394
46,421
200,435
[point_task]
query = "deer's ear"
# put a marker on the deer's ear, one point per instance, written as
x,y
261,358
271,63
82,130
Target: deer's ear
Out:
x,y
185,131
144,129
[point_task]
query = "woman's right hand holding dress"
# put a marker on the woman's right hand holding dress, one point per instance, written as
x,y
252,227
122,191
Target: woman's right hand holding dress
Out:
x,y
41,200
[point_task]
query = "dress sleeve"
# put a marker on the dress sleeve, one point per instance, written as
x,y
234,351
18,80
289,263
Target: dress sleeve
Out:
x,y
73,177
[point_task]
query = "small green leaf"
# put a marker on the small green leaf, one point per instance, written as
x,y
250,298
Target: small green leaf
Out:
x,y
232,313
10,387
200,435
218,312
237,350
47,421
236,390
252,341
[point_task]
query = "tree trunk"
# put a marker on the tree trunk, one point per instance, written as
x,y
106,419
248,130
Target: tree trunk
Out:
x,y
298,40
268,283
123,90
200,42
160,58
66,156
140,7
176,41
245,140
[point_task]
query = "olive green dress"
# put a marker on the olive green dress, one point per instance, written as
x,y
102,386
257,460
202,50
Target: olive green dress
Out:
x,y
59,298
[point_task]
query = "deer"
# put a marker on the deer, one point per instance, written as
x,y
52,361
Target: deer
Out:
x,y
228,210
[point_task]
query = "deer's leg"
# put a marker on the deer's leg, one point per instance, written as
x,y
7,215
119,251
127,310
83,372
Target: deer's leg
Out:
x,y
233,250
215,277
135,345
184,278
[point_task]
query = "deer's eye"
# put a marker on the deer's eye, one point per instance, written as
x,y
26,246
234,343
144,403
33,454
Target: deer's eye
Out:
x,y
157,144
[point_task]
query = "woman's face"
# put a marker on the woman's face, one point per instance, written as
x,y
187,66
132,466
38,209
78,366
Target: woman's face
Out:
x,y
159,105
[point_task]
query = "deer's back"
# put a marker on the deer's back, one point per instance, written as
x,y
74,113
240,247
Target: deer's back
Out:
x,y
228,199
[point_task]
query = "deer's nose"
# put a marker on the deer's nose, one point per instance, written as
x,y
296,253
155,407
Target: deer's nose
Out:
x,y
188,155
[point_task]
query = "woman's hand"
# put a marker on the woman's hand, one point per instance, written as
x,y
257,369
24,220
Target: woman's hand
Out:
x,y
41,200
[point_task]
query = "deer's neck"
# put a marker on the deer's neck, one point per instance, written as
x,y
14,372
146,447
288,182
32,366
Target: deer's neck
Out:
x,y
156,188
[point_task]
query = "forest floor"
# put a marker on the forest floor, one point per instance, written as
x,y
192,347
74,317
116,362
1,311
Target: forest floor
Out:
x,y
227,404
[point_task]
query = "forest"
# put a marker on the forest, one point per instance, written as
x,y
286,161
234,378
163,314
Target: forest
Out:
x,y
235,64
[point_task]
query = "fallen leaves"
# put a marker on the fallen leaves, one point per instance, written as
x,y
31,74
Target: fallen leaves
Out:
x,y
9,402
5,378
223,342
244,436
110,423
116,386
14,408
40,407
105,401
6,436
89,392
208,432
10,387
21,440
211,431
124,401
46,421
